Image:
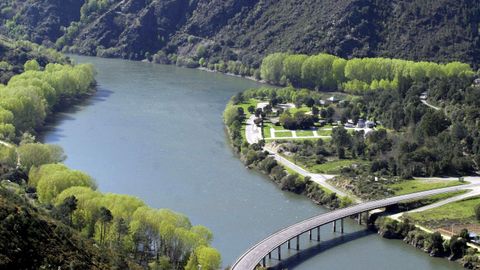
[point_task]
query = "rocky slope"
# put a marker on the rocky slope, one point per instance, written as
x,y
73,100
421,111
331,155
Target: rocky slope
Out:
x,y
438,30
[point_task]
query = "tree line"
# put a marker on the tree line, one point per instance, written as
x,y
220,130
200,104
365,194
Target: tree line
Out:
x,y
327,72
159,238
30,97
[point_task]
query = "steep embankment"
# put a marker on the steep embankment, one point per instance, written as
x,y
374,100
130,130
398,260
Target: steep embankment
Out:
x,y
31,239
442,30
14,54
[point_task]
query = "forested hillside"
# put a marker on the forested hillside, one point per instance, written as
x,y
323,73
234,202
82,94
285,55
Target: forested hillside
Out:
x,y
13,54
203,32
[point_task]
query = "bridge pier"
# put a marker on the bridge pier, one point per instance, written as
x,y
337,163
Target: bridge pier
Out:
x,y
334,226
270,255
264,262
360,218
341,226
310,235
298,242
288,244
318,233
279,253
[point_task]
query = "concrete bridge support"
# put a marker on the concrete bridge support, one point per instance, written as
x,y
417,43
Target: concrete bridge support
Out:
x,y
318,233
334,226
279,253
298,242
341,226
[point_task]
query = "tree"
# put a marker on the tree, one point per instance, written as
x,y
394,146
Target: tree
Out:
x,y
66,208
36,154
105,217
458,246
271,69
292,68
251,109
31,65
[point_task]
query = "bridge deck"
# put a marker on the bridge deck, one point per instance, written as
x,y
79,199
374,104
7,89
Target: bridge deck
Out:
x,y
252,257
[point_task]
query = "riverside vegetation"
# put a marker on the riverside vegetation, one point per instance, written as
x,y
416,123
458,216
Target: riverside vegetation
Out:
x,y
455,248
53,216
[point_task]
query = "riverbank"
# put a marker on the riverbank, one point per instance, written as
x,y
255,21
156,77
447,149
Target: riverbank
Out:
x,y
455,248
256,156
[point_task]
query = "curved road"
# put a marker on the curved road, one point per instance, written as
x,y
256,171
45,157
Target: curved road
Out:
x,y
252,257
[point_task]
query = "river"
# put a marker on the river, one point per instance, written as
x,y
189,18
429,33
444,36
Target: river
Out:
x,y
156,132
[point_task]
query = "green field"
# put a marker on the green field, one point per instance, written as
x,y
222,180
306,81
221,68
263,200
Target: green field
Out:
x,y
411,186
303,109
266,132
298,139
460,212
251,102
304,133
283,134
333,167
324,132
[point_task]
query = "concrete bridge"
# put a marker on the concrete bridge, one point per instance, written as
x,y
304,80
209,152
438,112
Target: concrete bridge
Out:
x,y
258,254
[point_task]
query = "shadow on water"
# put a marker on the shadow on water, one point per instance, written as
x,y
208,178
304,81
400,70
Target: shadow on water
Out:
x,y
306,254
67,113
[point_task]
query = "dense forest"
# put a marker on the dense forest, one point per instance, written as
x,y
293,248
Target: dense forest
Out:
x,y
240,33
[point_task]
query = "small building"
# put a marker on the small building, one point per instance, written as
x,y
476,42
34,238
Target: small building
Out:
x,y
348,125
322,122
370,124
476,82
361,123
350,121
423,96
322,102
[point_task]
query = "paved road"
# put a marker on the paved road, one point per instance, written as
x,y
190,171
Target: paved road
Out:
x,y
250,259
253,133
430,105
321,179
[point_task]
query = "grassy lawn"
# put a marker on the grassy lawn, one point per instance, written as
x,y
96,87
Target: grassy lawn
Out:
x,y
301,109
323,132
411,186
243,133
251,102
333,167
304,133
460,212
283,134
266,132
299,139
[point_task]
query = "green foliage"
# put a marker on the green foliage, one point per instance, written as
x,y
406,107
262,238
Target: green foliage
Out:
x,y
51,184
272,68
31,65
32,95
36,154
32,239
327,72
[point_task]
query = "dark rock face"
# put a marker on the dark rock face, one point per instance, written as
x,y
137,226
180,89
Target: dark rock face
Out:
x,y
247,30
45,18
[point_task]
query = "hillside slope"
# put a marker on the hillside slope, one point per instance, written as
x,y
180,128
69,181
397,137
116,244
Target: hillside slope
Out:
x,y
436,30
31,239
